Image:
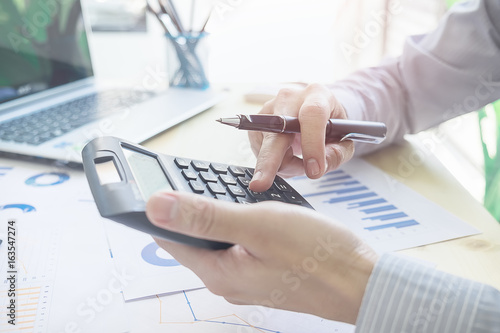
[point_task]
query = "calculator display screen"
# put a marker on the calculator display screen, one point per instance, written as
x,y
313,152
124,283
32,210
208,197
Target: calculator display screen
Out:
x,y
147,172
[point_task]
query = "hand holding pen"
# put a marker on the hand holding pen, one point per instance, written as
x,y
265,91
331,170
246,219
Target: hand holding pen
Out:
x,y
291,154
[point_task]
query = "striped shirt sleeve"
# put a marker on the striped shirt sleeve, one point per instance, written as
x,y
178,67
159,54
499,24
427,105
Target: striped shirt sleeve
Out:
x,y
405,296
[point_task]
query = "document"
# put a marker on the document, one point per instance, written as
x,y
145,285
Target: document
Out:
x,y
381,210
64,277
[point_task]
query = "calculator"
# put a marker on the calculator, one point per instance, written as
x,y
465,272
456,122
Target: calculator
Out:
x,y
122,176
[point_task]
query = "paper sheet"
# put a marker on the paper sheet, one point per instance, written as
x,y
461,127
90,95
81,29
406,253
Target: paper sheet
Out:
x,y
201,311
155,270
384,212
65,278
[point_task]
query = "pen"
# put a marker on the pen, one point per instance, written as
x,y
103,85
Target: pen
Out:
x,y
336,129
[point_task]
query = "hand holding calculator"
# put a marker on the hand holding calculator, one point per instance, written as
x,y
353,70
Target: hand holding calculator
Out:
x,y
122,176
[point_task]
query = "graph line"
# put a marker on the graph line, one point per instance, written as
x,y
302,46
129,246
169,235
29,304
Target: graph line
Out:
x,y
214,320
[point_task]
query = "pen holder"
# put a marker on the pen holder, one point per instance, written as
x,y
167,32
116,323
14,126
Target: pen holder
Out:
x,y
187,57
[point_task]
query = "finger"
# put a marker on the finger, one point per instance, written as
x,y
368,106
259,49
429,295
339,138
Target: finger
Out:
x,y
212,266
339,153
183,253
313,116
255,139
202,217
269,147
236,301
292,165
269,160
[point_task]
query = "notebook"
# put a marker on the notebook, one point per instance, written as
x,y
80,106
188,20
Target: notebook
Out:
x,y
50,103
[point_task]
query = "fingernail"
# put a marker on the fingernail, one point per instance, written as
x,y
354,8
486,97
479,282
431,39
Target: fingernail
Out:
x,y
312,167
257,176
162,208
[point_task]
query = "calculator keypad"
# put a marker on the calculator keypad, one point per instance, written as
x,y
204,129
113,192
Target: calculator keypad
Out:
x,y
230,183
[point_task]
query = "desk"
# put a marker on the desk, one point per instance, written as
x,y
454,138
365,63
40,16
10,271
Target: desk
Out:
x,y
475,257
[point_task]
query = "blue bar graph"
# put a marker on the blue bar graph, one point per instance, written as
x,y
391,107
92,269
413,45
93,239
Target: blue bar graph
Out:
x,y
351,197
386,216
368,207
378,209
397,225
351,182
331,179
347,190
366,203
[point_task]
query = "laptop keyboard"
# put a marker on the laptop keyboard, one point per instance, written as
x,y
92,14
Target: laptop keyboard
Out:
x,y
44,125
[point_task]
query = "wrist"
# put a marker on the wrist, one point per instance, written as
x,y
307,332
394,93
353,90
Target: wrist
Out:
x,y
346,286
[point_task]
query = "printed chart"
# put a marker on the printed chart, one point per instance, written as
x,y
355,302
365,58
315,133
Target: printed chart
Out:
x,y
200,311
59,246
157,272
383,211
36,246
33,303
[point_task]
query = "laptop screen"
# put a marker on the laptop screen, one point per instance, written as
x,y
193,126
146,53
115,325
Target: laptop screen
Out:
x,y
43,44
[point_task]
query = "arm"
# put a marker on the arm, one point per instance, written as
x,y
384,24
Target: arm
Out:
x,y
451,71
404,296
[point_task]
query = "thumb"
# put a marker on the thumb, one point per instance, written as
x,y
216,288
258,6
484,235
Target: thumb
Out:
x,y
197,216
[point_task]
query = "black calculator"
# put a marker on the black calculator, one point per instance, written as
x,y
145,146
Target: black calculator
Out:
x,y
122,176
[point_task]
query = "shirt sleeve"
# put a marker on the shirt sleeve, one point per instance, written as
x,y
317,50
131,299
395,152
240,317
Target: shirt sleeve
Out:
x,y
446,73
405,296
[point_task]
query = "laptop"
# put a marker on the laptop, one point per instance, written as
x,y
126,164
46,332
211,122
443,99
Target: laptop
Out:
x,y
50,103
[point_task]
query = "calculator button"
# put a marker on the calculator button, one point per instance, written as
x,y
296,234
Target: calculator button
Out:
x,y
218,168
249,172
259,196
199,165
236,191
196,186
236,171
181,163
244,200
273,195
216,188
281,186
208,177
243,181
189,175
227,179
224,197
292,198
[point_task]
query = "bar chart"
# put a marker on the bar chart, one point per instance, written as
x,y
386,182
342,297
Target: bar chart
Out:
x,y
376,211
381,210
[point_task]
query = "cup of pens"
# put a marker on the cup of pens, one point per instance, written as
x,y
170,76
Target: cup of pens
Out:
x,y
187,57
187,51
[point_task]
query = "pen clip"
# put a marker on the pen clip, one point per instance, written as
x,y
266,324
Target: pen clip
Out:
x,y
358,137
